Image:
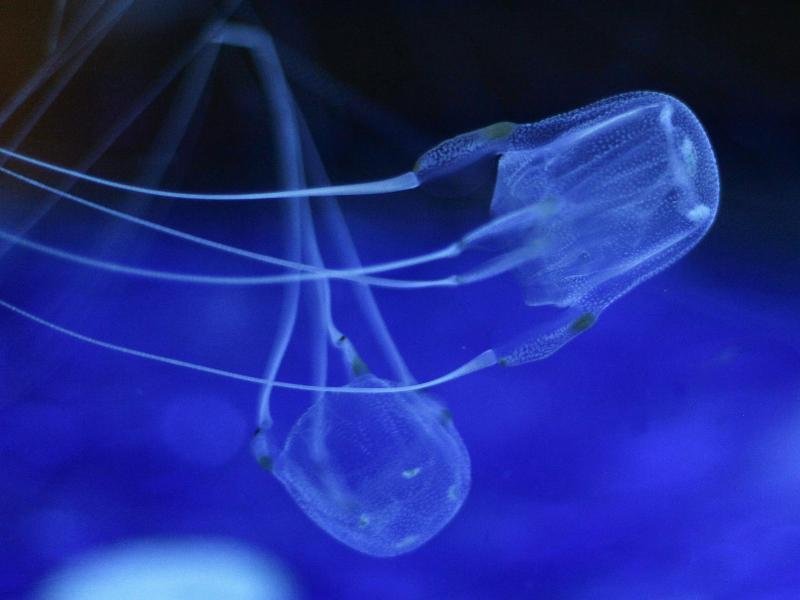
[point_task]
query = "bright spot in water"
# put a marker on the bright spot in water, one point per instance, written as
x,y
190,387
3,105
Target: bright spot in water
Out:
x,y
179,569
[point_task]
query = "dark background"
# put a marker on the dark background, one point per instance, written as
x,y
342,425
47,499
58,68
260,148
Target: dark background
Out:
x,y
655,457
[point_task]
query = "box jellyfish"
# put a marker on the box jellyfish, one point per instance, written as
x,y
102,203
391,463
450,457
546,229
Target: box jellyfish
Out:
x,y
590,203
381,473
584,206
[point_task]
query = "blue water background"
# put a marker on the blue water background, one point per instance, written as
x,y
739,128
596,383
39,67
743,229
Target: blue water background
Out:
x,y
656,456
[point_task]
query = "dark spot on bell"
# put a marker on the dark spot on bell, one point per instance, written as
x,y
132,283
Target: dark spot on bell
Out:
x,y
582,323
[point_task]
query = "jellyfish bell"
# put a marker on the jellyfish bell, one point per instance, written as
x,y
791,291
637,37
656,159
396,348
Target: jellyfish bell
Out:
x,y
382,473
632,185
588,204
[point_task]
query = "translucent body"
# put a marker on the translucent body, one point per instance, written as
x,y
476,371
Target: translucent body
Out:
x,y
591,203
382,473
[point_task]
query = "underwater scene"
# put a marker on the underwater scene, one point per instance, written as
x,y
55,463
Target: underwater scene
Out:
x,y
399,300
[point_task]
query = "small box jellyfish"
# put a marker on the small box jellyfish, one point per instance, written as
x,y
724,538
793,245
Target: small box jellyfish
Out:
x,y
585,206
381,473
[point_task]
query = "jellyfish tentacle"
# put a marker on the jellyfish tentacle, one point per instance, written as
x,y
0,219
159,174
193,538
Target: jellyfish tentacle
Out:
x,y
308,272
56,23
349,253
290,175
53,93
334,335
230,35
399,183
344,243
290,159
164,79
217,280
163,147
287,318
324,330
497,266
482,361
78,55
366,298
499,225
170,72
127,350
354,273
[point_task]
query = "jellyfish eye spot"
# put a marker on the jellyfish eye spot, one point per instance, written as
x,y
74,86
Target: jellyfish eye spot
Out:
x,y
498,131
266,462
582,323
411,473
